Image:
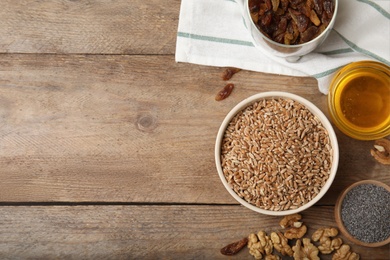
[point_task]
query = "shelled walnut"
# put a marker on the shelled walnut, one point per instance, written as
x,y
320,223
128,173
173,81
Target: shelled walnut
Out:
x,y
296,232
324,235
260,245
296,229
345,253
290,220
381,151
305,250
281,243
272,257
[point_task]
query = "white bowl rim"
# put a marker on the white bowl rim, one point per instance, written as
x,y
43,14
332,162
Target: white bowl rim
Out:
x,y
315,110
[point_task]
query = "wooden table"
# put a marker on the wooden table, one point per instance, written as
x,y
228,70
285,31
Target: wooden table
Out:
x,y
107,144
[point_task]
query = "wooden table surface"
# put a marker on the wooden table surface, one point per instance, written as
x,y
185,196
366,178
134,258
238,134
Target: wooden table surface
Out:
x,y
107,144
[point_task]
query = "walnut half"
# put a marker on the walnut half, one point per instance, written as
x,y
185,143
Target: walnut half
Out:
x,y
259,245
381,151
281,243
344,253
296,229
290,220
305,250
295,232
324,235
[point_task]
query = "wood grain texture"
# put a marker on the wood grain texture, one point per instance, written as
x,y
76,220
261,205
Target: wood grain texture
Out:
x,y
107,144
95,128
99,27
142,232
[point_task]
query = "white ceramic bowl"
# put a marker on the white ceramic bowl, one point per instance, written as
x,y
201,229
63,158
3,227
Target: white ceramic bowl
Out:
x,y
313,109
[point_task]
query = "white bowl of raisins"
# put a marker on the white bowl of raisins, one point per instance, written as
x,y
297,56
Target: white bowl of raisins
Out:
x,y
289,28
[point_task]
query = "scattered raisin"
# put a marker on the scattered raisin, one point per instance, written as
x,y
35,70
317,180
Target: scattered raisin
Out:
x,y
229,72
235,247
225,92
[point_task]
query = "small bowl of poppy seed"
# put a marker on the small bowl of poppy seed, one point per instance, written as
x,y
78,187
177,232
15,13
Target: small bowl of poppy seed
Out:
x,y
362,213
276,153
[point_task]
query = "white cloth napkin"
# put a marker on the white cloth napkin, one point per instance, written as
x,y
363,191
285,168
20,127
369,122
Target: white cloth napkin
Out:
x,y
213,33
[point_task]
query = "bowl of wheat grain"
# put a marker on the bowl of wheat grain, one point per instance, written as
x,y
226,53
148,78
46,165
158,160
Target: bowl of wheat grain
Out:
x,y
276,153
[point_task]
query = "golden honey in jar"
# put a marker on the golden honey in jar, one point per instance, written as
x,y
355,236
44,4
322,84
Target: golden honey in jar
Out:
x,y
359,100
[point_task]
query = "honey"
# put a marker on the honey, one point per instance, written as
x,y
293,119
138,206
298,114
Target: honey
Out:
x,y
365,100
359,100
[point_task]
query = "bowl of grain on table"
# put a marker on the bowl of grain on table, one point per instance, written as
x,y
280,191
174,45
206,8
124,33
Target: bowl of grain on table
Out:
x,y
276,153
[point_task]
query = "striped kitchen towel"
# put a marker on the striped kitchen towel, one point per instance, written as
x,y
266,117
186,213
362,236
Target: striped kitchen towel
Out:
x,y
213,33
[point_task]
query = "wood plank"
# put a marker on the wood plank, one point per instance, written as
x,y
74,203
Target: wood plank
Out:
x,y
94,128
141,232
99,27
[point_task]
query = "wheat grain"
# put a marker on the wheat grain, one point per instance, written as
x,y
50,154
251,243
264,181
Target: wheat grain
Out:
x,y
276,154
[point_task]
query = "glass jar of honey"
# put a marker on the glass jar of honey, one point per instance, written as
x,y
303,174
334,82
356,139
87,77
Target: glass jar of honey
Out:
x,y
359,100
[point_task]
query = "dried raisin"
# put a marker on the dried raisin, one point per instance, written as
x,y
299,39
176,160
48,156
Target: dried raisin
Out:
x,y
229,72
225,92
291,21
235,247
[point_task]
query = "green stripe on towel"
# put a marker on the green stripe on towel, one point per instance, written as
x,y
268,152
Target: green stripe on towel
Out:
x,y
361,50
214,39
326,73
376,7
335,52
